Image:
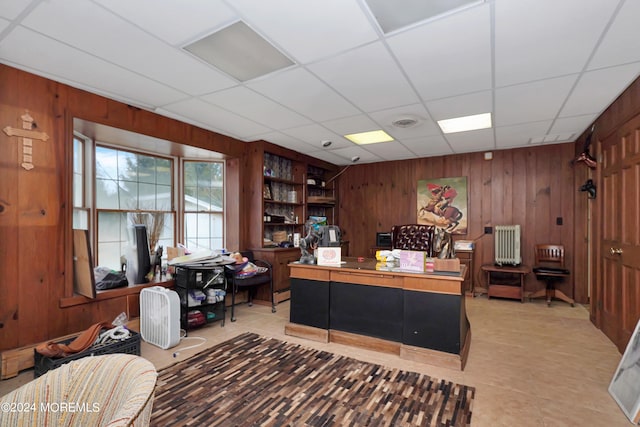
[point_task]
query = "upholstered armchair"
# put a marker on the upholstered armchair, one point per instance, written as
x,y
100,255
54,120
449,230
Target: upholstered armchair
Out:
x,y
111,390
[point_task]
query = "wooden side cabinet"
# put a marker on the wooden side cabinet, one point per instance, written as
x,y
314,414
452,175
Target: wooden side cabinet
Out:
x,y
279,258
506,281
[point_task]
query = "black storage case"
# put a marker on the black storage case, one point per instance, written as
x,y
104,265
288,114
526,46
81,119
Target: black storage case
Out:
x,y
42,364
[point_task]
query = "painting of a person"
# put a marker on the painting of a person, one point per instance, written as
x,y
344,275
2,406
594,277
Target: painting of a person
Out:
x,y
442,202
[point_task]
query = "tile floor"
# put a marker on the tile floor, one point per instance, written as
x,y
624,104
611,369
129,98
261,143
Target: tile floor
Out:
x,y
532,365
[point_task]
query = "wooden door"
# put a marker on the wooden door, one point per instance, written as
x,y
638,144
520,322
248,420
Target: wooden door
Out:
x,y
619,294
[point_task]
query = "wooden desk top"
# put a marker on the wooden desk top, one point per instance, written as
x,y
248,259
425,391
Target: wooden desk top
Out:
x,y
519,269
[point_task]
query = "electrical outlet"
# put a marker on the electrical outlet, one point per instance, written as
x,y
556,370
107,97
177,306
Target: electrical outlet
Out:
x,y
488,230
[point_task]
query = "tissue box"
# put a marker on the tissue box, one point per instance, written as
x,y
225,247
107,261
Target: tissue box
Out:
x,y
448,265
413,261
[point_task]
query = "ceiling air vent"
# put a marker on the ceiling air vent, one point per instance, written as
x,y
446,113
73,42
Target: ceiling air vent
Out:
x,y
404,122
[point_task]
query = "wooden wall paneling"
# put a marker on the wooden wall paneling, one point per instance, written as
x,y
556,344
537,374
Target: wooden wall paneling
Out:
x,y
506,194
484,247
519,199
234,204
10,147
582,208
568,214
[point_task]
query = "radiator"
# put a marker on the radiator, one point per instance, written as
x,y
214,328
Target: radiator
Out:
x,y
507,238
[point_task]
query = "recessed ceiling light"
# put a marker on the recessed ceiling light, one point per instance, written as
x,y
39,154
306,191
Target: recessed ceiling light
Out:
x,y
466,123
393,15
371,137
240,52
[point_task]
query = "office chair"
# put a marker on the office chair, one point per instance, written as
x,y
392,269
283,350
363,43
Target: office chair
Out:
x,y
251,283
550,269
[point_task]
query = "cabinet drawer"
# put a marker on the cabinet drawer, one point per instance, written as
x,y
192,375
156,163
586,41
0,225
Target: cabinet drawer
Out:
x,y
367,279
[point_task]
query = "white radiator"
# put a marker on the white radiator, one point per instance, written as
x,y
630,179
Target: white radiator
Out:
x,y
507,238
160,316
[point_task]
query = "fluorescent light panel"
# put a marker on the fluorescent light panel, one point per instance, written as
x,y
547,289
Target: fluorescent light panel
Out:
x,y
393,15
371,137
240,52
466,123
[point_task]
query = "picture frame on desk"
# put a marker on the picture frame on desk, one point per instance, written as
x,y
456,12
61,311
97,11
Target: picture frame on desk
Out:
x,y
625,385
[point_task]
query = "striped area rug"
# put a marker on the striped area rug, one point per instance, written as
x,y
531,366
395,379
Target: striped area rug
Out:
x,y
255,381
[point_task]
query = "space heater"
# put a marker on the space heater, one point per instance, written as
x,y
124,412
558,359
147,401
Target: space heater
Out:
x,y
160,316
507,249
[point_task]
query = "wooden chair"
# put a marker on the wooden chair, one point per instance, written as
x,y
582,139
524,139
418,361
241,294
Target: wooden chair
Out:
x,y
549,268
251,283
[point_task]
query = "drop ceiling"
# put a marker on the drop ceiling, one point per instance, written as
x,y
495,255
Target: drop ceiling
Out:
x,y
544,69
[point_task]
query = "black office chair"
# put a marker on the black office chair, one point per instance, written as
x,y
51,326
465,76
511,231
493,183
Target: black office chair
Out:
x,y
251,283
550,269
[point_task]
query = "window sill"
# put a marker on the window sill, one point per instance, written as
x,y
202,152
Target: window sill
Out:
x,y
112,293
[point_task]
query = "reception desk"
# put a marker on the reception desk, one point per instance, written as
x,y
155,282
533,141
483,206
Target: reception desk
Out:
x,y
417,316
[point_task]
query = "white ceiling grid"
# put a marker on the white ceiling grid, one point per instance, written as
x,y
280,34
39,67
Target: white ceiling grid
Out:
x,y
545,69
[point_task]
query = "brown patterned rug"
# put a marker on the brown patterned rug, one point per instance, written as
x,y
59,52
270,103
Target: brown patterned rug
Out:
x,y
256,381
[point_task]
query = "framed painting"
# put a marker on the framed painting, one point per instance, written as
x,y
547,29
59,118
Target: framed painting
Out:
x,y
443,202
625,385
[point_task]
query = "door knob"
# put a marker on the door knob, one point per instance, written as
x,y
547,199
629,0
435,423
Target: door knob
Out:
x,y
615,251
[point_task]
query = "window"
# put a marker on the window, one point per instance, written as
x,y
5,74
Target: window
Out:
x,y
203,204
131,188
114,187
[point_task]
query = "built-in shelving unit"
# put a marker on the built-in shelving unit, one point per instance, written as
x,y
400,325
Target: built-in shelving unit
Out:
x,y
321,194
288,188
283,199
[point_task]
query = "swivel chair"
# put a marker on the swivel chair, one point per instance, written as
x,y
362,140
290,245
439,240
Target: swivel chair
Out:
x,y
251,283
549,268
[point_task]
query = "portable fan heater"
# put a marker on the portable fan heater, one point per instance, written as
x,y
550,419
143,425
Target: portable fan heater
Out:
x,y
160,316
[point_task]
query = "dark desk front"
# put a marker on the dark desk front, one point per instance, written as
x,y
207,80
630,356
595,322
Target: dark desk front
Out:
x,y
417,316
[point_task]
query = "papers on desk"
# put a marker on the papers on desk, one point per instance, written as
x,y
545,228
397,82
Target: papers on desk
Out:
x,y
202,256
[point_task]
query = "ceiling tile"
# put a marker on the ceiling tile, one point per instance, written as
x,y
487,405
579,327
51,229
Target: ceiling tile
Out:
x,y
368,77
12,8
576,124
319,29
352,124
475,140
104,36
52,59
302,92
621,44
170,20
247,103
533,39
286,141
424,127
349,153
531,102
597,89
3,24
392,150
520,135
447,57
460,106
314,134
428,146
330,157
217,117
